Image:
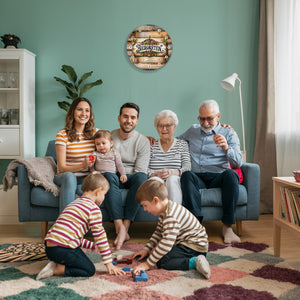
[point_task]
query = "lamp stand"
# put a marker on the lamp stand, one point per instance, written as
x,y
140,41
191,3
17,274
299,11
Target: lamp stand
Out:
x,y
242,116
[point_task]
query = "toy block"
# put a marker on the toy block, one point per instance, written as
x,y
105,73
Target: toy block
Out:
x,y
142,277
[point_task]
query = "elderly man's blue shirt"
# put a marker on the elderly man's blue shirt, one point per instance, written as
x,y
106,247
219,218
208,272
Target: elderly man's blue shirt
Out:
x,y
205,156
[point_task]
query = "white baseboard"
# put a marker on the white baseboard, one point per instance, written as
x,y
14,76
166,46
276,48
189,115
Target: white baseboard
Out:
x,y
9,206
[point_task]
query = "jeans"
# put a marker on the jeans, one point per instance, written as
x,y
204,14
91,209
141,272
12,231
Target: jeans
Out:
x,y
68,188
178,258
76,263
228,181
113,199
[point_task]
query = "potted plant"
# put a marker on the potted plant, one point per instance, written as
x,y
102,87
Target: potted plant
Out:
x,y
10,40
75,88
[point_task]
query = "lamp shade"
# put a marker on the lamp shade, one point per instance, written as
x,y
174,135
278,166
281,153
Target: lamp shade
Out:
x,y
228,83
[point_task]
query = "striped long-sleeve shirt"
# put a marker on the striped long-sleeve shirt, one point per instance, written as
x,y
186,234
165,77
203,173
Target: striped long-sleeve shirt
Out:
x,y
74,222
176,226
76,151
176,158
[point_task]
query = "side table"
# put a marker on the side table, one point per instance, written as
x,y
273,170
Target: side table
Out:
x,y
278,221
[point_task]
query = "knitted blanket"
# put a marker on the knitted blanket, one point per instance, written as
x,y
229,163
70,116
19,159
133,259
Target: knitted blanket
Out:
x,y
41,171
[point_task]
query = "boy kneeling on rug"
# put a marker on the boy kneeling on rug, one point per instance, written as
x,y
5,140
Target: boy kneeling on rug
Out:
x,y
179,241
65,237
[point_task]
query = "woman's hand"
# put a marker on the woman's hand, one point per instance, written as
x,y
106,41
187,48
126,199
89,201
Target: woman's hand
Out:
x,y
226,126
163,174
87,162
114,270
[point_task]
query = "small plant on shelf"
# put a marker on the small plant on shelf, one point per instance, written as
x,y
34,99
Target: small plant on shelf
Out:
x,y
75,88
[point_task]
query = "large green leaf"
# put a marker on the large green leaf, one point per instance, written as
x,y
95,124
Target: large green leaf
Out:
x,y
64,105
88,86
66,84
73,93
69,86
70,72
83,78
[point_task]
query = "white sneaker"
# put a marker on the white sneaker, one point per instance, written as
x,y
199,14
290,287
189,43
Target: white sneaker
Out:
x,y
202,266
47,271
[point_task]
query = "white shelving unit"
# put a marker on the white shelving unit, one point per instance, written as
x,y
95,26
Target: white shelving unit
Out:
x,y
17,97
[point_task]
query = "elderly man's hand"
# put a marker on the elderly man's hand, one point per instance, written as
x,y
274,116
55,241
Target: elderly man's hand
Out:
x,y
151,140
221,141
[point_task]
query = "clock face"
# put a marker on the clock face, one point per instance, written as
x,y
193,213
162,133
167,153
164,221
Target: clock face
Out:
x,y
149,47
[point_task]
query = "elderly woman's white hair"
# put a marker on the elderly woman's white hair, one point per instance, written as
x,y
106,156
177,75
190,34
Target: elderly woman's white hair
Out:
x,y
166,114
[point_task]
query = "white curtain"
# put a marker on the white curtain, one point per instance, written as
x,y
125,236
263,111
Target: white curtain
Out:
x,y
287,85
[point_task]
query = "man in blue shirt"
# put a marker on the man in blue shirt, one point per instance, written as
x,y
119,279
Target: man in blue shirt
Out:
x,y
213,150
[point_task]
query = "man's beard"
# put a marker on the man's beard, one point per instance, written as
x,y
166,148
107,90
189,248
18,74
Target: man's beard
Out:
x,y
208,129
127,130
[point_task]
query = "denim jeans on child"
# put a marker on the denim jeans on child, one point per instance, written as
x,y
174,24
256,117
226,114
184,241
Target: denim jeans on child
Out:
x,y
77,264
178,258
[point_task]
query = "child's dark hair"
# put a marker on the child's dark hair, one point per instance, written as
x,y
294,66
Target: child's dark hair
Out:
x,y
103,134
94,181
149,189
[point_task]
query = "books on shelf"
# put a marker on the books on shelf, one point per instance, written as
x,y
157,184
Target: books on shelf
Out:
x,y
290,204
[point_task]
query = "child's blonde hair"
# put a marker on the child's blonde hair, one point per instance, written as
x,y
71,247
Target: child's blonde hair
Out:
x,y
103,133
94,181
149,189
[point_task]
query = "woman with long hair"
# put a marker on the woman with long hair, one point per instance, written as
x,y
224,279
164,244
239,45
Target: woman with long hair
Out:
x,y
73,145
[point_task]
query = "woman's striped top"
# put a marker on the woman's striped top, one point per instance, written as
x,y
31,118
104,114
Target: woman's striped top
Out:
x,y
176,226
74,222
177,157
76,151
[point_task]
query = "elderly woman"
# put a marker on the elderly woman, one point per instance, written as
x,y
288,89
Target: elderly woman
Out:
x,y
169,156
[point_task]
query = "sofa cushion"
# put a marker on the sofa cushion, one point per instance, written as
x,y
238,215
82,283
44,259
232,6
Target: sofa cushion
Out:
x,y
213,197
40,197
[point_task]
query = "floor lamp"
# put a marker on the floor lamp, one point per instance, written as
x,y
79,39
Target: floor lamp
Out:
x,y
228,84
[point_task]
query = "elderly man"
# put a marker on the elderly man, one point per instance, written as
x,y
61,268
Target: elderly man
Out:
x,y
213,150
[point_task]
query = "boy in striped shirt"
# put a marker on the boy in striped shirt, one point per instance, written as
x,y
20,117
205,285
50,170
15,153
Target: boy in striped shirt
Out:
x,y
66,236
179,241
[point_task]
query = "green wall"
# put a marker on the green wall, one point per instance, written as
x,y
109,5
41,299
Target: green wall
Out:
x,y
211,40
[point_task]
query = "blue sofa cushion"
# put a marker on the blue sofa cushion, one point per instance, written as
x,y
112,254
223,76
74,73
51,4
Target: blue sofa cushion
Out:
x,y
40,197
213,197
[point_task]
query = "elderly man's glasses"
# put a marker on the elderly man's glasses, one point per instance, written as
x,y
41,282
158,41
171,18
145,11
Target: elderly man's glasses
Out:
x,y
208,119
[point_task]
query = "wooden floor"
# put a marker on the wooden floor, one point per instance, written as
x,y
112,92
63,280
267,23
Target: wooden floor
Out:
x,y
260,231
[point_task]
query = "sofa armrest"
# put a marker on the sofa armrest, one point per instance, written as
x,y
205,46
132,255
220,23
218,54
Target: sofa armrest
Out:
x,y
24,193
251,173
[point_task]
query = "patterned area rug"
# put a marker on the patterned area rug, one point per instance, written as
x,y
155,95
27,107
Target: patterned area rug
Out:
x,y
241,271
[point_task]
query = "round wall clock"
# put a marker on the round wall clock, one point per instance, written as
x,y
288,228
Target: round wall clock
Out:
x,y
149,47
